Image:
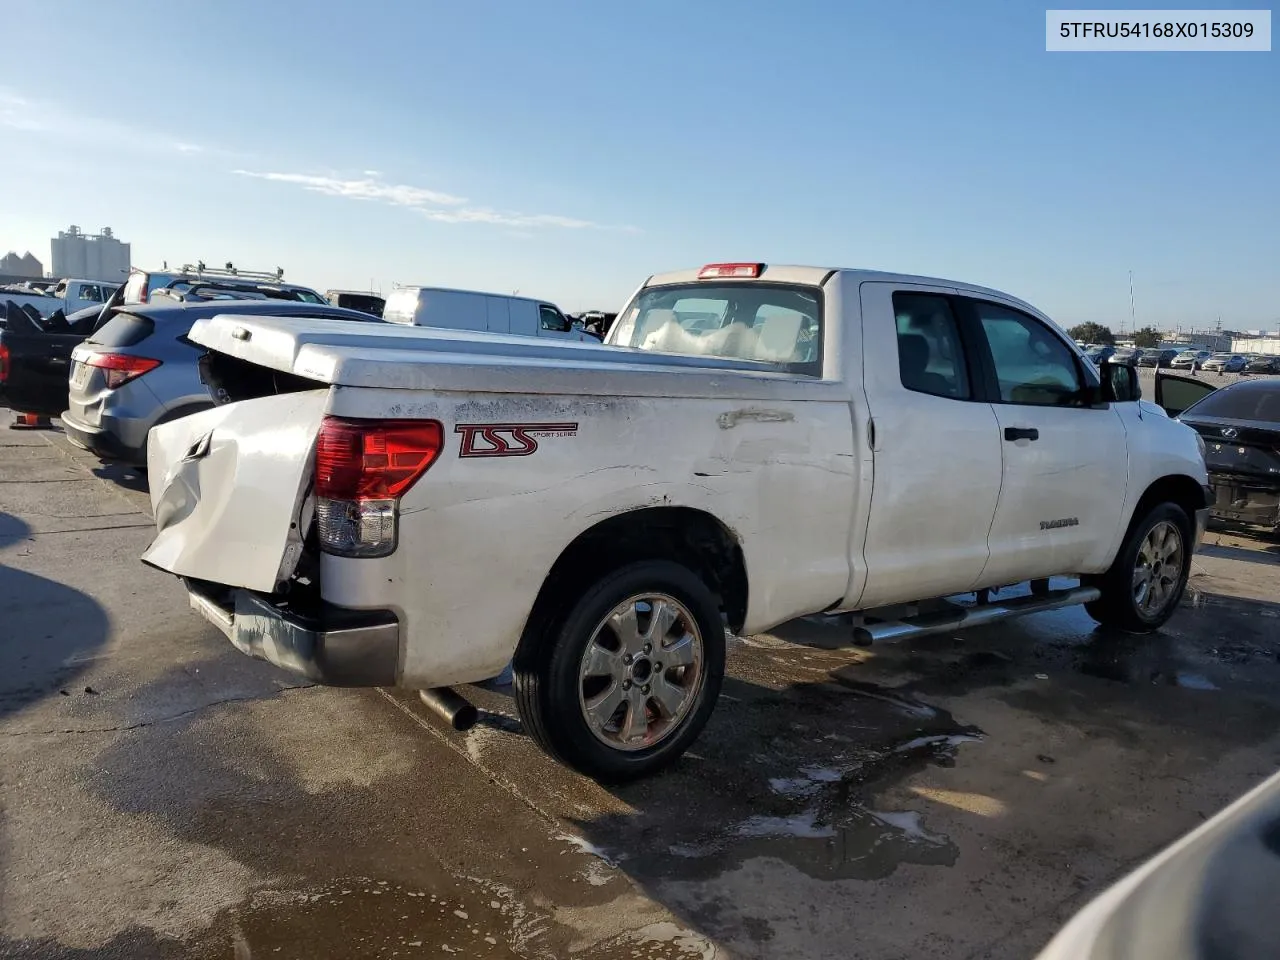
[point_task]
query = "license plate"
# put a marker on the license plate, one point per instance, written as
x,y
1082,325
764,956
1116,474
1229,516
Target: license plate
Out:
x,y
80,374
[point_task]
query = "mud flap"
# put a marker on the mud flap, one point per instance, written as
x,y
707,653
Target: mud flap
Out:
x,y
229,487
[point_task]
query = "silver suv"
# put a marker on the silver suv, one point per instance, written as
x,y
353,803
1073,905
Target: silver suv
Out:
x,y
139,369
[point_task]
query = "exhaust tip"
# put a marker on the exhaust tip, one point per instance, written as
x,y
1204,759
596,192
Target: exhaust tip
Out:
x,y
451,707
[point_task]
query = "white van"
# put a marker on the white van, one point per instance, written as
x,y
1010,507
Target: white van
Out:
x,y
472,310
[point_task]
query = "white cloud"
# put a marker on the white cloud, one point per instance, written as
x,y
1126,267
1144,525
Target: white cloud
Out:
x,y
398,194
432,204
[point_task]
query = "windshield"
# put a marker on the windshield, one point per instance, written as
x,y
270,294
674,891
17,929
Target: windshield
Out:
x,y
1241,403
773,323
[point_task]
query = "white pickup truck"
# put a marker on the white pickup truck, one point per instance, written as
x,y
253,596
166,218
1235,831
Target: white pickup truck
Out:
x,y
67,296
417,507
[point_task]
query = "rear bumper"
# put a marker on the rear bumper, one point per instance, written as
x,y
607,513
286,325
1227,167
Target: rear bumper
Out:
x,y
101,441
337,647
1245,500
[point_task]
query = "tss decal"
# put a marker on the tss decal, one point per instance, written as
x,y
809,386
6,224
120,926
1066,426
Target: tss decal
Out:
x,y
507,439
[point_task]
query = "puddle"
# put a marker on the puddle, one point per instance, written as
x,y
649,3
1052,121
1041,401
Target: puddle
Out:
x,y
860,844
355,919
360,918
830,831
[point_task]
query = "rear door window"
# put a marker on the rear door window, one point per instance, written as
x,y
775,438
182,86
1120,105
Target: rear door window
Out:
x,y
930,354
123,330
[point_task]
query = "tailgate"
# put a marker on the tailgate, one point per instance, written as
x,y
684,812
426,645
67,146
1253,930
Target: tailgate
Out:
x,y
229,487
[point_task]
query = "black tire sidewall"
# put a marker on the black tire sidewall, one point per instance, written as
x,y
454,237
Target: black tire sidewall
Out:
x,y
1122,576
563,718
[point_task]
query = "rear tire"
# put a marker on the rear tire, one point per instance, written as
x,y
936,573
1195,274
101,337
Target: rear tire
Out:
x,y
1142,589
593,690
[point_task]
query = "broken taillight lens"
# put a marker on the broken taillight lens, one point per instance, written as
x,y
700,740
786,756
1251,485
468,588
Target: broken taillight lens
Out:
x,y
119,368
362,469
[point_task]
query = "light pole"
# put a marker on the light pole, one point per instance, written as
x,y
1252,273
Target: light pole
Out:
x,y
1133,317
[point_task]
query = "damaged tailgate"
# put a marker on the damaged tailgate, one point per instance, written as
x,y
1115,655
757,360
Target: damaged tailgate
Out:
x,y
229,488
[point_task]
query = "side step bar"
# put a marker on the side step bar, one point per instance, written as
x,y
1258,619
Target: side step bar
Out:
x,y
965,617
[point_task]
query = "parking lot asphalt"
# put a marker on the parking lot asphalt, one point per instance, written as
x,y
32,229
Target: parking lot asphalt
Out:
x,y
959,796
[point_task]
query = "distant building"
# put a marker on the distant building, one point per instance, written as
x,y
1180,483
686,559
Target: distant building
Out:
x,y
21,266
90,256
1268,343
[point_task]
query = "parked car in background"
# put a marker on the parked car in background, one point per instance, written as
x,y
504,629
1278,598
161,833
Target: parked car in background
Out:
x,y
1190,359
1263,365
1100,353
595,322
143,283
481,312
1159,357
1239,425
140,370
357,300
1224,363
67,296
831,440
35,355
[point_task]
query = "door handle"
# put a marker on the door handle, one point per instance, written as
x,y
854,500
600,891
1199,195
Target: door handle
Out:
x,y
1021,433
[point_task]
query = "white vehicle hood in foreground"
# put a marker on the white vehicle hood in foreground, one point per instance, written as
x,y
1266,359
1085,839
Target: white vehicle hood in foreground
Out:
x,y
227,489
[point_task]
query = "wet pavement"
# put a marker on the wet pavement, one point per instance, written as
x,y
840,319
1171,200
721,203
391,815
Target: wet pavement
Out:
x,y
955,796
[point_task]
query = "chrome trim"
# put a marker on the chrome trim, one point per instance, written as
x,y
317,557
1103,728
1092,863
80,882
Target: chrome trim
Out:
x,y
358,655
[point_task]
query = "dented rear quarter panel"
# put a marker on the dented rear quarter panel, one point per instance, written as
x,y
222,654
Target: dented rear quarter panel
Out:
x,y
479,534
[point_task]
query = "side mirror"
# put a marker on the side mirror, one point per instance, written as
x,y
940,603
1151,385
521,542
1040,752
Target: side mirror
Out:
x,y
1119,382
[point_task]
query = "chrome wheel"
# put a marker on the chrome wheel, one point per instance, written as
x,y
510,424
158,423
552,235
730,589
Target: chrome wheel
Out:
x,y
1158,569
641,672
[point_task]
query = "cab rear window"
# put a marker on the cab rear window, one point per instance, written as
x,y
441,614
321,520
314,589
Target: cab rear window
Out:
x,y
773,323
123,330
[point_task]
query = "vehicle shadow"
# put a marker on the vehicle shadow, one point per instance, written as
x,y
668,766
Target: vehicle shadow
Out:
x,y
138,944
46,630
129,477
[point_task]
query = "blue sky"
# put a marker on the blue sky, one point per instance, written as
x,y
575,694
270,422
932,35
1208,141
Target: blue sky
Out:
x,y
570,149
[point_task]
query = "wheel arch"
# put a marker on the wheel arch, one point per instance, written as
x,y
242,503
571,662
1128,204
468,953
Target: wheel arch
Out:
x,y
691,537
1178,488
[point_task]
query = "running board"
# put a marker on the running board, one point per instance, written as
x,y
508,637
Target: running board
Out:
x,y
962,619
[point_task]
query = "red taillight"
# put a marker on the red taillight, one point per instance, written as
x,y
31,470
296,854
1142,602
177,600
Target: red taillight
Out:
x,y
373,459
742,270
4,363
120,368
362,468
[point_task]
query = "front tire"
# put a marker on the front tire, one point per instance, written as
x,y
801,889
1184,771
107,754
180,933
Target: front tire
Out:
x,y
1142,589
620,686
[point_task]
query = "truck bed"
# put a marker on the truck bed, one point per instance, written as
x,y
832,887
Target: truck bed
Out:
x,y
424,358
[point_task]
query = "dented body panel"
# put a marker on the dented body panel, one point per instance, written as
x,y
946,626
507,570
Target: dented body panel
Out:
x,y
228,488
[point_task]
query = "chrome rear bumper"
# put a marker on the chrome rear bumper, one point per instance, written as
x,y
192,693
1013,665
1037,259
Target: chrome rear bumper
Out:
x,y
338,647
